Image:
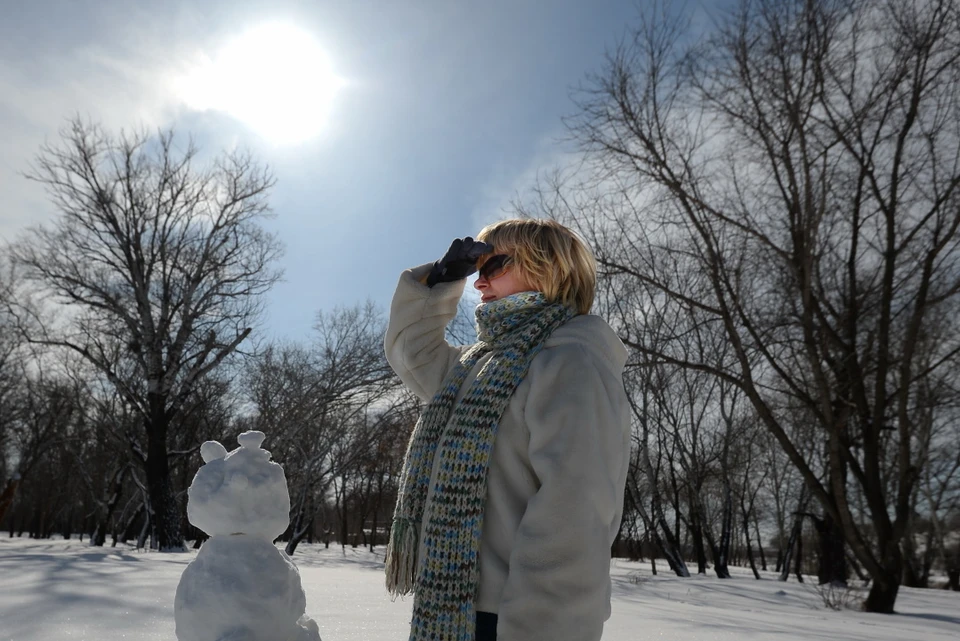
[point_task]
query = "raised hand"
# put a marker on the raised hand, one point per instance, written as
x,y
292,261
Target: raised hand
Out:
x,y
459,262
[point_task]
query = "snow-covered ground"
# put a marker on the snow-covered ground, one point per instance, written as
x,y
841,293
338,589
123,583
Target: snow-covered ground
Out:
x,y
64,590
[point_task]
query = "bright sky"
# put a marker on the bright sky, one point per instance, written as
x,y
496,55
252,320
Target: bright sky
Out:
x,y
391,126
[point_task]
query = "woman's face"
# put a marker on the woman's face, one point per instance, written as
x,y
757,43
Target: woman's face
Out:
x,y
501,281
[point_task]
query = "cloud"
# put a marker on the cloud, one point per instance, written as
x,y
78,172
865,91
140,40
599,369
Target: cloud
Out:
x,y
115,84
509,184
120,66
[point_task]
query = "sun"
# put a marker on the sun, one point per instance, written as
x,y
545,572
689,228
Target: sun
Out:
x,y
275,78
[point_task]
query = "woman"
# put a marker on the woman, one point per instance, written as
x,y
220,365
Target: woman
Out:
x,y
512,488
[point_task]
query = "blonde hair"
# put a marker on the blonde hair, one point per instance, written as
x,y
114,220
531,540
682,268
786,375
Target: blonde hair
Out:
x,y
548,256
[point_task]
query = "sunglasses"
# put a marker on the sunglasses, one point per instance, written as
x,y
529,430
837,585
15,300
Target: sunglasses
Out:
x,y
495,266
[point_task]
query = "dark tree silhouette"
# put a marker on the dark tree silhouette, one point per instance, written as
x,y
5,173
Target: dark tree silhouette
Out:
x,y
157,268
791,183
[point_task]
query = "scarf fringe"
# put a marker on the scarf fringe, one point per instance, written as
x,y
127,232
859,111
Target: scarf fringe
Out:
x,y
401,559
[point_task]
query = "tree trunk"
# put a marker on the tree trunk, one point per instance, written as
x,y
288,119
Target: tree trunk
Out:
x,y
696,533
202,537
99,536
669,547
746,536
675,562
916,565
883,590
297,529
127,529
719,562
953,577
795,535
6,499
292,544
165,509
951,560
723,549
832,567
791,543
798,560
656,523
671,550
66,527
763,556
911,574
38,524
342,515
145,529
928,554
853,563
300,530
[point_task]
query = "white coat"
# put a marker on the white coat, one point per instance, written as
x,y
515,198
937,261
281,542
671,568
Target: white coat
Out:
x,y
557,472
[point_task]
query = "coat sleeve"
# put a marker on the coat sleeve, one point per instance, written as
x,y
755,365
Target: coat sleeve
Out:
x,y
558,583
414,343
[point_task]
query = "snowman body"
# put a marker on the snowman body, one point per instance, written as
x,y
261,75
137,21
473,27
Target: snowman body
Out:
x,y
241,587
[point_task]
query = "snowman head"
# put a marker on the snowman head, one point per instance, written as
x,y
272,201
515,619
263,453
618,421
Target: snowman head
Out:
x,y
241,492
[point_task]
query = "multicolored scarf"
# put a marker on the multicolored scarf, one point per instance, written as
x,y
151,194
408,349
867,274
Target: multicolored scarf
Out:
x,y
445,581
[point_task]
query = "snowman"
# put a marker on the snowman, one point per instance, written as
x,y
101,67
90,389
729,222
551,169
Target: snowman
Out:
x,y
241,587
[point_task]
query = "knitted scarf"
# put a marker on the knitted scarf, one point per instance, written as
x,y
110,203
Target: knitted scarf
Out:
x,y
514,329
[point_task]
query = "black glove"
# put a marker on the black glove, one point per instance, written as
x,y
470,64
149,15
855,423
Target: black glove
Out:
x,y
459,262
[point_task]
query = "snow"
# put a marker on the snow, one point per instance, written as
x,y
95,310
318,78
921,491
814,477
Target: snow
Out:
x,y
241,584
239,492
240,587
64,591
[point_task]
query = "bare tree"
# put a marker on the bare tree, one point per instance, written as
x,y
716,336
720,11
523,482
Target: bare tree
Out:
x,y
644,479
462,330
381,466
939,489
793,183
749,484
323,404
45,409
11,378
158,266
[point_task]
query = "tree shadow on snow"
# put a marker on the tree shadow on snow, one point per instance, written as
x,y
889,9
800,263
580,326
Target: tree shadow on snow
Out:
x,y
75,581
931,617
318,557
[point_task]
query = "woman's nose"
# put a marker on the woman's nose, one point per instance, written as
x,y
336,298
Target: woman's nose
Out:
x,y
481,283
